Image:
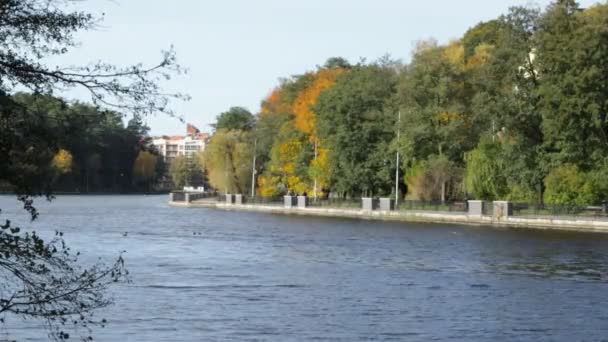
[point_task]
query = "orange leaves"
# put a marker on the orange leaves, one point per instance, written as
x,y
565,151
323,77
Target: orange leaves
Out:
x,y
305,118
275,104
483,53
291,167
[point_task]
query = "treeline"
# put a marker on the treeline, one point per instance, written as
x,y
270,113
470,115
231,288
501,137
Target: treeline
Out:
x,y
76,147
516,109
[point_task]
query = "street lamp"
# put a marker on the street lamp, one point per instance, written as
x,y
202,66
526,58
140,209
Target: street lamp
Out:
x,y
397,165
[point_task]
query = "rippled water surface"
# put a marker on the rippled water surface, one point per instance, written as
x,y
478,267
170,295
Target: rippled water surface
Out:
x,y
205,275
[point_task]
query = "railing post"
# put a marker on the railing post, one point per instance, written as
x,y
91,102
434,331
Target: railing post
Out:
x,y
502,210
187,197
289,201
476,208
367,204
302,202
387,204
238,199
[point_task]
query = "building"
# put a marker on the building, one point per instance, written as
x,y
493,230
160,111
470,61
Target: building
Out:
x,y
181,145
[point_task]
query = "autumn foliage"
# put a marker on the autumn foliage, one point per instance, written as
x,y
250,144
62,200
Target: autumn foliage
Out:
x,y
297,162
303,108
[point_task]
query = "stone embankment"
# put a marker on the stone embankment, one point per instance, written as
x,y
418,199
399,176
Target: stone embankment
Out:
x,y
475,215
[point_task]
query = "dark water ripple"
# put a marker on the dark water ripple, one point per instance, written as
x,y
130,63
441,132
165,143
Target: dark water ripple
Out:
x,y
202,275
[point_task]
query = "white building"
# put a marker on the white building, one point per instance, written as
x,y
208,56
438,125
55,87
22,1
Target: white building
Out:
x,y
181,145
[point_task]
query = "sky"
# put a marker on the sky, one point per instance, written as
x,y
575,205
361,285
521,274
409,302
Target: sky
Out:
x,y
237,50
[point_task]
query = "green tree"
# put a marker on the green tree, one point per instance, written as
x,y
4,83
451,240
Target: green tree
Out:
x,y
505,99
568,185
237,118
179,171
356,121
434,179
572,54
484,177
227,161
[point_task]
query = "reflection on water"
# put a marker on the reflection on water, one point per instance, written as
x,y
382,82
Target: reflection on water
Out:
x,y
203,275
582,271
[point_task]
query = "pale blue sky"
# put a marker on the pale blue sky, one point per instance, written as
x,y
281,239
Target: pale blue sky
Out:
x,y
236,50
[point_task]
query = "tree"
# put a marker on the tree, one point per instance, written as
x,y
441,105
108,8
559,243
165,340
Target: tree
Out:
x,y
297,162
356,123
179,170
144,168
568,185
227,161
484,176
42,279
433,179
282,149
434,100
32,30
62,162
336,63
572,53
237,118
505,100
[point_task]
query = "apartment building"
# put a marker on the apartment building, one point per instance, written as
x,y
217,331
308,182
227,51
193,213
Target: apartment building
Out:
x,y
181,145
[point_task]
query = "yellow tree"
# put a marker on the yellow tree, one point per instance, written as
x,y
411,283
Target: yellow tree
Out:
x,y
62,162
227,161
297,162
144,167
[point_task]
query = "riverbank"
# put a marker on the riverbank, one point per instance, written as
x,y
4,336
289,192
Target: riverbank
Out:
x,y
579,224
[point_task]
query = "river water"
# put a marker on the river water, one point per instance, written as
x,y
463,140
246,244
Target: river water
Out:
x,y
206,275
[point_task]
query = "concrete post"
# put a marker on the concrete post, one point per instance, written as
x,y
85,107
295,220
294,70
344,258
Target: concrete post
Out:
x,y
229,199
476,208
502,210
289,201
387,204
302,202
368,203
172,196
187,197
238,199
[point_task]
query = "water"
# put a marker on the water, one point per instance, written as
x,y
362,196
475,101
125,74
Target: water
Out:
x,y
205,275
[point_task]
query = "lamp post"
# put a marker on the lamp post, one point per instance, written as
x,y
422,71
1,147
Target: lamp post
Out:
x,y
315,185
397,165
255,145
225,173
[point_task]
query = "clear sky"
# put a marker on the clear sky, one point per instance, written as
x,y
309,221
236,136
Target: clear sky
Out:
x,y
236,50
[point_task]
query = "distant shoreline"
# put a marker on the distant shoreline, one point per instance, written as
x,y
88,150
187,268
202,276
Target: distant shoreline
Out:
x,y
538,223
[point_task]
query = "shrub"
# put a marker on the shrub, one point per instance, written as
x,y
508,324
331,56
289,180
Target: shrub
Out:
x,y
568,185
484,177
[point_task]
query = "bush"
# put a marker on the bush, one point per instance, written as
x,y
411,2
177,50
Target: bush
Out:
x,y
519,194
568,185
484,176
433,179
